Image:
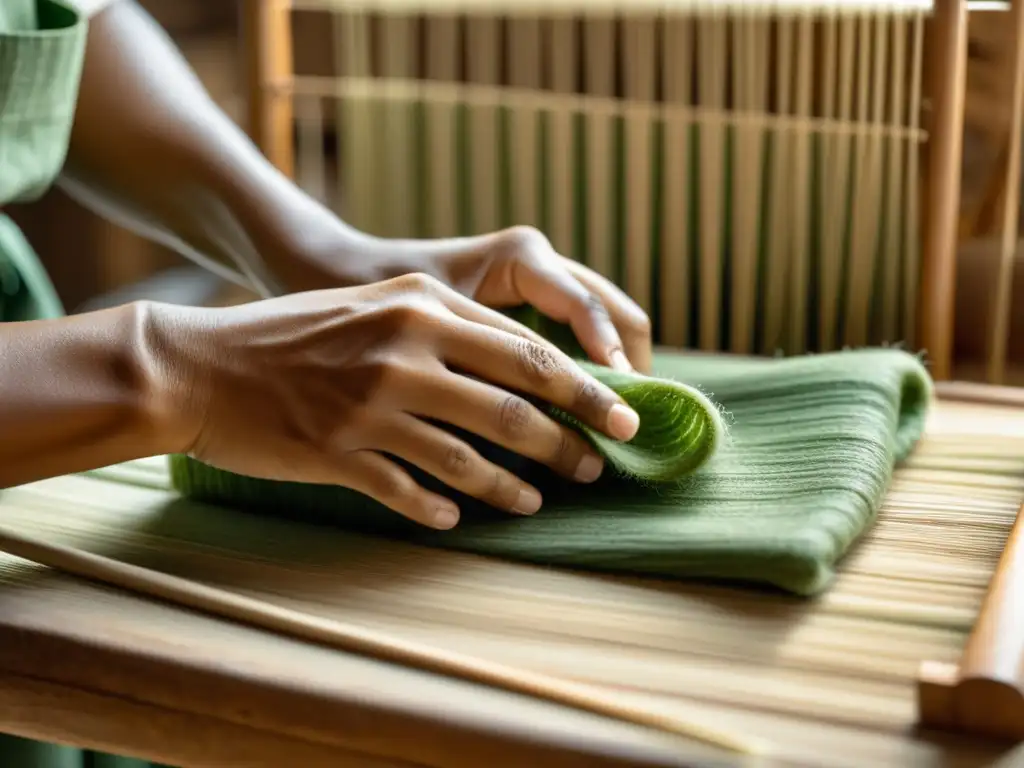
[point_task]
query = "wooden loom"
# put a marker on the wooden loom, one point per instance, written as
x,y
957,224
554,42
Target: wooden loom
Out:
x,y
390,57
91,665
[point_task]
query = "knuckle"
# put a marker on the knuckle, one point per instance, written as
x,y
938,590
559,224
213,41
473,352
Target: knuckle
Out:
x,y
394,486
388,374
457,460
594,304
525,238
514,416
503,492
564,451
408,318
637,328
417,282
538,363
588,398
409,314
368,382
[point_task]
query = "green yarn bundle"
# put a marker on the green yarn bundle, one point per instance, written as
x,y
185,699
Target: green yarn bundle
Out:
x,y
777,499
681,427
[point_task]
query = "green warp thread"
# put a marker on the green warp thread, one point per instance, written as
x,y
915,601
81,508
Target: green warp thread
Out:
x,y
778,500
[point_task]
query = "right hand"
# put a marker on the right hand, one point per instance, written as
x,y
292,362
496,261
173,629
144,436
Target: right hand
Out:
x,y
323,387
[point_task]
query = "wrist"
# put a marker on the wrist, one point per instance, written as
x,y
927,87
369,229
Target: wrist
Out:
x,y
167,355
312,249
78,393
290,241
333,255
294,243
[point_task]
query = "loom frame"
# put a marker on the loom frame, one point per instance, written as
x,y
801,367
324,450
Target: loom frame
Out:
x,y
268,75
985,693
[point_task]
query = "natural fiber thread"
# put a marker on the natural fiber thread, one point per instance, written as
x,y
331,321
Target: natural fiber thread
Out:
x,y
681,428
811,450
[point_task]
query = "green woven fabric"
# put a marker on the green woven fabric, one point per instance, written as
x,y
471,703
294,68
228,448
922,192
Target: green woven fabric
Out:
x,y
778,499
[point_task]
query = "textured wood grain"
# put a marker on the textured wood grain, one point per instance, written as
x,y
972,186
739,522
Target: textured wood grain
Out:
x,y
832,676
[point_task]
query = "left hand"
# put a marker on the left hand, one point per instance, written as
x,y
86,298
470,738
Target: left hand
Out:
x,y
503,269
519,266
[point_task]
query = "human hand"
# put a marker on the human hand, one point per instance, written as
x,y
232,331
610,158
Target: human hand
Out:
x,y
504,269
519,266
325,387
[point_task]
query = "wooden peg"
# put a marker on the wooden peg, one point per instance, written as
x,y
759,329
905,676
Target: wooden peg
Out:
x,y
984,694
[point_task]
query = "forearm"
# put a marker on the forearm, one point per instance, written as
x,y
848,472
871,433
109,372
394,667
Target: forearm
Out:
x,y
151,150
78,393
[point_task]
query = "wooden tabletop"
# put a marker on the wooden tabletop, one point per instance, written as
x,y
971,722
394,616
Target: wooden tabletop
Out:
x,y
91,666
86,665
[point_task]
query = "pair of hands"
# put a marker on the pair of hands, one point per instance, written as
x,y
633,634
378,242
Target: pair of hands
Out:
x,y
325,386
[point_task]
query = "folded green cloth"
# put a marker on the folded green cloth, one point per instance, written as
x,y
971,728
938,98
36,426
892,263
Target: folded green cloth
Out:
x,y
769,478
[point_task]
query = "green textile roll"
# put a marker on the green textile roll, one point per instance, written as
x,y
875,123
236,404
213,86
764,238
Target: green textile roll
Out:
x,y
810,451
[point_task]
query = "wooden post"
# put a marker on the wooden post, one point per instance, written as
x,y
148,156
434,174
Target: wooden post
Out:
x,y
1001,306
267,50
947,75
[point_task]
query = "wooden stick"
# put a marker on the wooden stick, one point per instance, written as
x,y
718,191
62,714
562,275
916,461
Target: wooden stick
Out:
x,y
492,95
526,7
987,394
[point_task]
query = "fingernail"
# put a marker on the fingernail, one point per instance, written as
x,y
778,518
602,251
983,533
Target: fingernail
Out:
x,y
445,518
623,422
589,469
620,362
528,503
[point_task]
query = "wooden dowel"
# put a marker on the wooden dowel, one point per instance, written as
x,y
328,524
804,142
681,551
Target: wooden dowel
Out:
x,y
971,392
996,645
947,85
370,90
983,695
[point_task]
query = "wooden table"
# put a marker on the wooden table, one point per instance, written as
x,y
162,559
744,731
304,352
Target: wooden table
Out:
x,y
87,665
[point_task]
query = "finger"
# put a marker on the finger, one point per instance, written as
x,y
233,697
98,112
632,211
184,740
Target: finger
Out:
x,y
540,370
631,322
456,464
511,421
512,355
384,481
519,358
537,276
551,289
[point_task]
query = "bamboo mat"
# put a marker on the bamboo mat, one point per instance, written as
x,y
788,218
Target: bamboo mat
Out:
x,y
829,681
